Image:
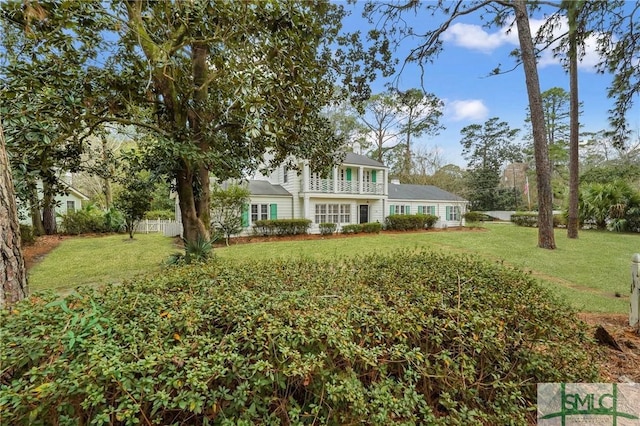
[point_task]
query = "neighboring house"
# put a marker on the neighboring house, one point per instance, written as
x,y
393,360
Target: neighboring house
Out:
x,y
356,191
72,201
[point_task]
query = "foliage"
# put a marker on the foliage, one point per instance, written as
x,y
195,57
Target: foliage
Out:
x,y
27,236
372,228
226,209
530,219
352,228
199,250
89,219
327,228
281,227
373,340
134,200
603,203
114,220
473,217
160,214
402,222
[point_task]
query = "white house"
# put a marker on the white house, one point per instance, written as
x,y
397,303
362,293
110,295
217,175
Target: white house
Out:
x,y
356,191
65,203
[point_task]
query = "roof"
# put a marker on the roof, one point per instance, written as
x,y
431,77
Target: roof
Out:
x,y
420,192
361,160
263,187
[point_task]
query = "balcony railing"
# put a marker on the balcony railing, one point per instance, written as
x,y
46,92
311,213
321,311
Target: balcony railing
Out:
x,y
329,186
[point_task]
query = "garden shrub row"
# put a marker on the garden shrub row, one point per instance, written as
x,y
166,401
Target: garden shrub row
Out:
x,y
530,219
367,228
409,222
92,220
281,227
411,338
473,217
327,228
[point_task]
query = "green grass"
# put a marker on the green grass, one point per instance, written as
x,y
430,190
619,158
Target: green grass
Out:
x,y
99,260
586,272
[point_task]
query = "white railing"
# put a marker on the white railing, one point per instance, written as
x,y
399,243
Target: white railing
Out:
x,y
329,186
169,228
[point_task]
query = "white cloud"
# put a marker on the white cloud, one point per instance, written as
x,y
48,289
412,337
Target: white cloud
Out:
x,y
469,109
475,37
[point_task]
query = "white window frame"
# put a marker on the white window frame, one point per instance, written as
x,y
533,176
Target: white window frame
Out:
x,y
332,213
261,212
454,213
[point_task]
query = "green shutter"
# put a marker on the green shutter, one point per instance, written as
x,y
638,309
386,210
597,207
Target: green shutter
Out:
x,y
407,209
373,176
245,215
447,212
420,211
273,214
348,174
392,209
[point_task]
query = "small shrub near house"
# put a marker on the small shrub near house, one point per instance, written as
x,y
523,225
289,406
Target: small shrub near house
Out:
x,y
352,228
475,217
411,338
90,219
372,228
401,222
281,227
327,228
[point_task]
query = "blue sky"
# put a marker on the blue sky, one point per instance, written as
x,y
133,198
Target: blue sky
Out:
x,y
459,77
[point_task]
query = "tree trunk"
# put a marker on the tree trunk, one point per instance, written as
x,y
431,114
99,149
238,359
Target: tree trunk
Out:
x,y
574,179
13,276
546,238
192,226
34,208
49,211
108,197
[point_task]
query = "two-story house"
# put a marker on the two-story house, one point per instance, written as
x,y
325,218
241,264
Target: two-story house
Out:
x,y
356,191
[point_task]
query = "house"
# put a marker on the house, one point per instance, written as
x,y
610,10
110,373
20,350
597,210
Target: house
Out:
x,y
65,203
356,191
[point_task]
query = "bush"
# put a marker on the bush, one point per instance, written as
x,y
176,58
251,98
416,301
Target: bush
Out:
x,y
160,214
353,228
402,222
525,219
327,228
559,221
87,220
27,237
372,228
473,217
416,337
281,227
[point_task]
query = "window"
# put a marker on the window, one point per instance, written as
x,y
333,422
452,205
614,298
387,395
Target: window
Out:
x,y
71,206
259,212
399,209
453,213
427,210
333,213
367,176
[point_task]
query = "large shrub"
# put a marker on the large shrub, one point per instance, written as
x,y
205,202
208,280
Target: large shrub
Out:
x,y
413,338
89,219
402,222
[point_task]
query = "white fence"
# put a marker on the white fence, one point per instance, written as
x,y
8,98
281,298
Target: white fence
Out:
x,y
634,314
169,228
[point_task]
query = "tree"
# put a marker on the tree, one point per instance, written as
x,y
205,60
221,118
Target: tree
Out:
x,y
381,118
227,205
134,199
421,114
13,276
430,44
213,85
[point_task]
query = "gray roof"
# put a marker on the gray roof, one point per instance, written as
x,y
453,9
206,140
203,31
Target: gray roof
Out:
x,y
420,192
263,187
361,160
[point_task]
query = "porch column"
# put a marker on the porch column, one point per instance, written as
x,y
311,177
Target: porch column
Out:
x,y
307,208
361,179
385,181
305,178
335,179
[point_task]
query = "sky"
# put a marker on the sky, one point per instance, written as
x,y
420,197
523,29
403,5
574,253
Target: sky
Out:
x,y
460,77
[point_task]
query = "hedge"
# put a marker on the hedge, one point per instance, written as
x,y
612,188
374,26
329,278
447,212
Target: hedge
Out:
x,y
411,338
531,219
402,222
281,227
327,228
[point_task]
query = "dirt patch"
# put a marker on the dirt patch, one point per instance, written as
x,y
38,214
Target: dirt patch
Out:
x,y
615,366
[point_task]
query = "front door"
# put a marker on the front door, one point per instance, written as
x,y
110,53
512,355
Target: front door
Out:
x,y
364,213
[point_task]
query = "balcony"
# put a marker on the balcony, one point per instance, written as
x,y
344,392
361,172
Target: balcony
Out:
x,y
330,186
